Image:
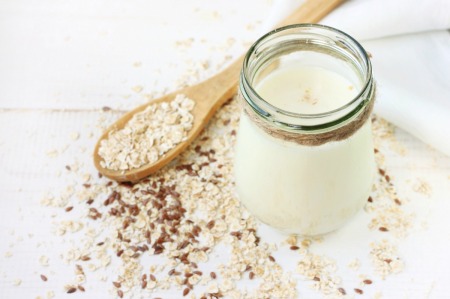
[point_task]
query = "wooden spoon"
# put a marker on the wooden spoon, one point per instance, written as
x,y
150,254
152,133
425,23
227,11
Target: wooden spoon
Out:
x,y
209,96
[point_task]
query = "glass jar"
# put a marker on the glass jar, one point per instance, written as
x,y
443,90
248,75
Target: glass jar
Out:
x,y
304,159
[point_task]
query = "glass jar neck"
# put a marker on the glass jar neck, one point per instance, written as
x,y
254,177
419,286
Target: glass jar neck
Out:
x,y
312,45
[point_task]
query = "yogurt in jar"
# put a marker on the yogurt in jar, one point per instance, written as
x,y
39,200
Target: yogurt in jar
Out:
x,y
296,188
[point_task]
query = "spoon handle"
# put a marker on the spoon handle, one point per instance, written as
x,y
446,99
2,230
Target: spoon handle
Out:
x,y
311,11
223,85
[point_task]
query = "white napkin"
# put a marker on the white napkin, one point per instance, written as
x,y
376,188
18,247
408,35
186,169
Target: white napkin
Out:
x,y
411,59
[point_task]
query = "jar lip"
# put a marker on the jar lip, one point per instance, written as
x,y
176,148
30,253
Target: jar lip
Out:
x,y
366,85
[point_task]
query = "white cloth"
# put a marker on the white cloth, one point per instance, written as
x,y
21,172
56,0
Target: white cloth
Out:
x,y
410,45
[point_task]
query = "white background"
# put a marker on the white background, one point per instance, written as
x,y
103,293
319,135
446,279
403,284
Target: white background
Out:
x,y
61,61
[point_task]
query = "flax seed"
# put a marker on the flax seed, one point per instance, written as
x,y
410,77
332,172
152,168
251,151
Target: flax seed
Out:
x,y
367,281
71,290
342,291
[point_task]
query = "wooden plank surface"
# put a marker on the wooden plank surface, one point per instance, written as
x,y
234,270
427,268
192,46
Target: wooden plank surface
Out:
x,y
61,62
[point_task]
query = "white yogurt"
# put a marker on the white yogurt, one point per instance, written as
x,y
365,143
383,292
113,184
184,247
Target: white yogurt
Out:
x,y
301,189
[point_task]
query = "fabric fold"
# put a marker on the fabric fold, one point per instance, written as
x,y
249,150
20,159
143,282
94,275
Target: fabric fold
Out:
x,y
411,59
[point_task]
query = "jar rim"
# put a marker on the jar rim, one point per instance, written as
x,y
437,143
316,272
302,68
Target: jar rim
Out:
x,y
366,85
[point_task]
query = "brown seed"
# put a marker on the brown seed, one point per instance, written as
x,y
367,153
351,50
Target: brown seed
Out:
x,y
236,234
117,284
316,278
120,293
388,261
251,275
271,258
210,224
43,277
152,277
90,201
383,229
199,273
294,247
85,258
186,291
106,108
68,209
81,288
397,201
68,167
370,199
342,291
71,290
367,281
213,275
144,284
359,291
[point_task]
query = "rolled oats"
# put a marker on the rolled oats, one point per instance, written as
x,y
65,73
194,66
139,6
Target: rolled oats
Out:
x,y
148,135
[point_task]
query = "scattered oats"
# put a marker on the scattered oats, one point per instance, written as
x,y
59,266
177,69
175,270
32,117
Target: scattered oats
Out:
x,y
183,213
306,243
378,295
292,240
75,136
422,187
212,288
43,260
384,204
250,27
321,270
52,153
184,44
355,264
69,226
148,135
8,254
50,294
137,64
137,88
17,282
385,258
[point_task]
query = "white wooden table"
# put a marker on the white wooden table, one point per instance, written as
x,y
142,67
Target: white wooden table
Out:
x,y
62,61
